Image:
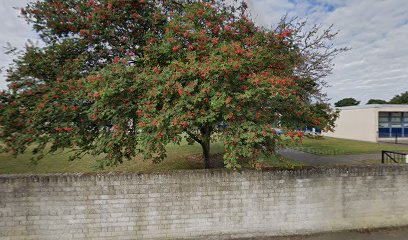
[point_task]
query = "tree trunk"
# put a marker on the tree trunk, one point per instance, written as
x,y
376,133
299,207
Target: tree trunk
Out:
x,y
205,144
206,153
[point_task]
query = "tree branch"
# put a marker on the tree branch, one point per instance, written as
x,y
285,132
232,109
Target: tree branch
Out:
x,y
194,137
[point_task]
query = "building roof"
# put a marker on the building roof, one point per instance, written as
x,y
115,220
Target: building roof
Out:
x,y
396,106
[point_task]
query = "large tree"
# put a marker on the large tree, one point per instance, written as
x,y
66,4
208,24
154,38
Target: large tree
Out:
x,y
120,78
400,99
46,83
346,102
376,101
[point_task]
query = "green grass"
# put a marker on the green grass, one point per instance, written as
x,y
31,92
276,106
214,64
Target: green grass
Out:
x,y
185,157
337,146
178,157
371,162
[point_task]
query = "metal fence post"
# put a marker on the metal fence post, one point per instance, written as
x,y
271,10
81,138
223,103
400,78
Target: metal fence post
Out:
x,y
382,157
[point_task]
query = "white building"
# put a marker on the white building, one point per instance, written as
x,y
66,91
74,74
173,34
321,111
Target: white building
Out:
x,y
376,122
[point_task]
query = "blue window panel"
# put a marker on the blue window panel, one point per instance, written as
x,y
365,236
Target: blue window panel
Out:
x,y
396,132
405,132
384,132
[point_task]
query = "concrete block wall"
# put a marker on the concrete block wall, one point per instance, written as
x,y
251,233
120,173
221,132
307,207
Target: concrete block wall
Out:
x,y
201,204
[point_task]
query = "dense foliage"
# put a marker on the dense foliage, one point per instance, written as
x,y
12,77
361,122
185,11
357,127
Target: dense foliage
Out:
x,y
376,101
346,102
400,99
121,78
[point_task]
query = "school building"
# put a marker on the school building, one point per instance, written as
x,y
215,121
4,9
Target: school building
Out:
x,y
376,122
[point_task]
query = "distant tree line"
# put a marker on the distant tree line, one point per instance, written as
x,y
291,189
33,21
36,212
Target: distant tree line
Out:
x,y
397,99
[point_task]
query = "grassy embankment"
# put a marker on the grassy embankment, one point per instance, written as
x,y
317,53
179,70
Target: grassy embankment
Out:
x,y
337,146
178,157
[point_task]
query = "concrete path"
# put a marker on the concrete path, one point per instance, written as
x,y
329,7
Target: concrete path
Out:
x,y
315,160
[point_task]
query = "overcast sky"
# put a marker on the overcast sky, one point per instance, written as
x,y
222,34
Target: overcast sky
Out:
x,y
13,30
375,30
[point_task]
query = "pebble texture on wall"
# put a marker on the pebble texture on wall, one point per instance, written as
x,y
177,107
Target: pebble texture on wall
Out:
x,y
201,203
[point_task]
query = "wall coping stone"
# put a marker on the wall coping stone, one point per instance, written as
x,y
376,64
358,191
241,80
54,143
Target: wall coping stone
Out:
x,y
309,172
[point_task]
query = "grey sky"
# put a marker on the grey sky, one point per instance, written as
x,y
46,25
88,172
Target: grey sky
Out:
x,y
376,30
13,30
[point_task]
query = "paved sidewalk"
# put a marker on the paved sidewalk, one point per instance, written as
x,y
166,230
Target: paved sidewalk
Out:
x,y
377,234
315,160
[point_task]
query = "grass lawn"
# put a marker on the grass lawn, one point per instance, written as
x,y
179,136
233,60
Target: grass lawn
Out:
x,y
178,157
372,162
337,146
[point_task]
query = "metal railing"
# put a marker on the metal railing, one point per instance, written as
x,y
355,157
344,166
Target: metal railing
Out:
x,y
393,157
